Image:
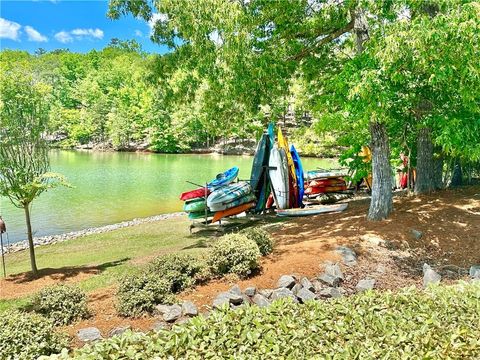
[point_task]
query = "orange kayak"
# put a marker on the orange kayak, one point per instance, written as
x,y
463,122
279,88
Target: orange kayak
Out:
x,y
232,211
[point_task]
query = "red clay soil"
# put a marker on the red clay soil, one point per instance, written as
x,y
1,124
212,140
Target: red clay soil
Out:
x,y
449,221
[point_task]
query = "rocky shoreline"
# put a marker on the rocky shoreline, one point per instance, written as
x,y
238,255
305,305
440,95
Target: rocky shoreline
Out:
x,y
53,239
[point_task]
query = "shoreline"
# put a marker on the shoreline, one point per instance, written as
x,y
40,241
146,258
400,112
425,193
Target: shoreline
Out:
x,y
53,239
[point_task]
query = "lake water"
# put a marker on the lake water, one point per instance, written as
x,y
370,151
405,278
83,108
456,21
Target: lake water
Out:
x,y
109,187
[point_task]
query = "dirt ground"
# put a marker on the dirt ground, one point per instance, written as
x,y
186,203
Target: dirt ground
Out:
x,y
388,251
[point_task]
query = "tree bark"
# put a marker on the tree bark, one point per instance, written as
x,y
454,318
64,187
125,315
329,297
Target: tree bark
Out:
x,y
381,204
425,182
457,176
31,248
438,173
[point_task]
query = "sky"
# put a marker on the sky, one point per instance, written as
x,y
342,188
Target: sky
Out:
x,y
79,25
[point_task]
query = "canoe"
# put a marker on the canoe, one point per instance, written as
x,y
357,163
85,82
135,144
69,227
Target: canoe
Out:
x,y
195,205
313,210
311,190
260,160
249,198
199,215
224,178
193,194
232,211
299,172
327,182
319,174
279,177
283,144
222,197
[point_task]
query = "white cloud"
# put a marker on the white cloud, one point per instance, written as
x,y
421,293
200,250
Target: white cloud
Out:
x,y
156,17
95,33
138,33
34,35
64,37
9,29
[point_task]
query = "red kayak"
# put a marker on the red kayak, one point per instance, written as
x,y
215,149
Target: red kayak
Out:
x,y
311,190
327,182
193,194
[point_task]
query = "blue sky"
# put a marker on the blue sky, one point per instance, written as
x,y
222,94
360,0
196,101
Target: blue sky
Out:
x,y
77,25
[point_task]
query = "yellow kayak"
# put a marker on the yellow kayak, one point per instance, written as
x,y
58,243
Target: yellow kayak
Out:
x,y
283,144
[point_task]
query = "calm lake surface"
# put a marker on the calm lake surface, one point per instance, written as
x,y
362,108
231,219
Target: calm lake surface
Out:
x,y
110,187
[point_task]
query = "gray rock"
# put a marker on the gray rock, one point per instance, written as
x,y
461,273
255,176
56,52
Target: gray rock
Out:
x,y
173,313
330,292
283,293
317,285
260,300
182,321
286,281
307,284
430,276
365,284
189,309
250,291
329,280
349,256
266,293
160,325
89,334
417,234
227,298
334,270
305,295
118,330
475,272
296,288
235,290
161,309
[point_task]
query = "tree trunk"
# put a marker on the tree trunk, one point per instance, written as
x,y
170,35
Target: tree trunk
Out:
x,y
457,173
425,165
438,173
30,240
381,204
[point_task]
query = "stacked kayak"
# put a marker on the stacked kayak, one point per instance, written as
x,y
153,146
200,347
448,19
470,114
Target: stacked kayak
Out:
x,y
259,179
324,182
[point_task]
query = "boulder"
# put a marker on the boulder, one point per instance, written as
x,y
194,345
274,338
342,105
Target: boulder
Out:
x,y
430,276
266,293
329,280
227,298
161,309
117,331
283,293
174,313
349,256
89,334
317,285
250,291
307,284
235,290
334,270
286,281
160,325
330,292
475,272
296,288
305,295
260,300
189,309
365,284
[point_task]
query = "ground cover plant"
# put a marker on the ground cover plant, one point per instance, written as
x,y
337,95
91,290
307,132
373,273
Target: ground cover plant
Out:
x,y
28,335
63,304
441,322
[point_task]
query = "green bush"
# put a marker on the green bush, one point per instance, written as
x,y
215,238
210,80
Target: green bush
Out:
x,y
138,294
28,336
63,304
261,238
438,323
178,269
234,253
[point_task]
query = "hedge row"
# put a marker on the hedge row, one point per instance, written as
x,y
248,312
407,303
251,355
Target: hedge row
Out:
x,y
438,323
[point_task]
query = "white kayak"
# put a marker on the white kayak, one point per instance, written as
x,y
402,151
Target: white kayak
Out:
x,y
221,198
313,210
279,177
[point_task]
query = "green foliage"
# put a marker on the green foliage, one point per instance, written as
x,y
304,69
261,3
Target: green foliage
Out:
x,y
234,253
63,304
180,270
261,237
139,293
27,336
438,323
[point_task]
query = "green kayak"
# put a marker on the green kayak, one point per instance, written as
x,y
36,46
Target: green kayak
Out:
x,y
194,206
199,215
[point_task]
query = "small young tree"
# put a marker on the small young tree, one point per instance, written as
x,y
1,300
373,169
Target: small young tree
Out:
x,y
24,162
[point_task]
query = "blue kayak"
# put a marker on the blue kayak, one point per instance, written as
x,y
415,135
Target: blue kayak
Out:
x,y
224,178
299,172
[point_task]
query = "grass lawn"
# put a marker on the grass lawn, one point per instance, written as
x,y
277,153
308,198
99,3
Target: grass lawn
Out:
x,y
108,255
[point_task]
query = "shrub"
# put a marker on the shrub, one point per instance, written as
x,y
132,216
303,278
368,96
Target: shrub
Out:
x,y
178,269
234,253
139,293
63,304
261,238
438,323
28,336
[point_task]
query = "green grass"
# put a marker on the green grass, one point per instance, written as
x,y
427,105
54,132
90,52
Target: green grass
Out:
x,y
113,253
